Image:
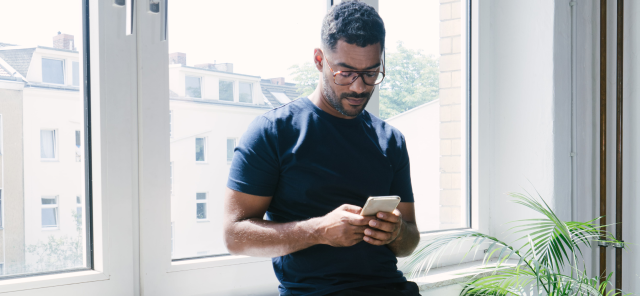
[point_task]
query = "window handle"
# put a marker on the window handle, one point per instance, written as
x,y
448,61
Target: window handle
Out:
x,y
129,12
155,7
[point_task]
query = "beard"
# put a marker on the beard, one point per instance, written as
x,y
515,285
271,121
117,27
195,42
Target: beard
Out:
x,y
336,101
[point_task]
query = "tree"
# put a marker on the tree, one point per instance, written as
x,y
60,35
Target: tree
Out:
x,y
58,253
306,76
411,80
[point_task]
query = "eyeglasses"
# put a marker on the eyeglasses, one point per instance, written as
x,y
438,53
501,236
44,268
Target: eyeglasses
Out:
x,y
348,77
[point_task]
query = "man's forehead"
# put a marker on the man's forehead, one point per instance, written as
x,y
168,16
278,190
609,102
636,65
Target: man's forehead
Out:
x,y
353,56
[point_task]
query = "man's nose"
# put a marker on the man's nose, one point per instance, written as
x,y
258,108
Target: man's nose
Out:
x,y
358,86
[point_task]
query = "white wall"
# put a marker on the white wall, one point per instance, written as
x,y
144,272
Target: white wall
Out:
x,y
421,129
216,123
64,177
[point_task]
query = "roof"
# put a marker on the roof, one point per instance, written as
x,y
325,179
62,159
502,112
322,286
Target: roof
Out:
x,y
4,72
218,71
269,88
218,102
19,59
2,44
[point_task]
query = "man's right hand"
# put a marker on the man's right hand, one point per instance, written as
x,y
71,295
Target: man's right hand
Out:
x,y
343,227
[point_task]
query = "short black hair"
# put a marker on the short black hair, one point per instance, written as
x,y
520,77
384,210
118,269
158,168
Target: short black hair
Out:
x,y
354,21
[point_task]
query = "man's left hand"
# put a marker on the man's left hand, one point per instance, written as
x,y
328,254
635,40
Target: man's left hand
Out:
x,y
385,229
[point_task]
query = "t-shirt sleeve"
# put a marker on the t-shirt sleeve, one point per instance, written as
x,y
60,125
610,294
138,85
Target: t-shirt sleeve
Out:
x,y
255,167
401,184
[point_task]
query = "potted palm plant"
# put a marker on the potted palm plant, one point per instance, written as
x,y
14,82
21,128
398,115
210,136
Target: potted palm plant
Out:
x,y
549,258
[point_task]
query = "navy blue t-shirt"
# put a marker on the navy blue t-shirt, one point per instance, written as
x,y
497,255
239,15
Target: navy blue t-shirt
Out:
x,y
312,162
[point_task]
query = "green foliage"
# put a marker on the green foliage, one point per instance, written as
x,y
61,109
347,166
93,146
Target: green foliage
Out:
x,y
306,77
58,253
548,260
411,79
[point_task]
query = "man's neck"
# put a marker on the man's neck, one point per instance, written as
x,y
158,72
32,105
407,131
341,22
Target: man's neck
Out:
x,y
319,100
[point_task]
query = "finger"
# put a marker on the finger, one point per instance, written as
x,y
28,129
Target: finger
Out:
x,y
374,241
351,208
379,235
383,225
393,217
358,220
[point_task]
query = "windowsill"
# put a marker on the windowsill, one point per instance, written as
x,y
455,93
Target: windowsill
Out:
x,y
454,274
202,221
49,160
201,162
50,228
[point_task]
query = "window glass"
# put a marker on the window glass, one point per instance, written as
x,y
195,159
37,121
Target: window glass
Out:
x,y
200,149
201,206
422,96
226,90
49,212
192,87
43,170
52,71
228,117
78,212
47,144
231,145
245,92
76,73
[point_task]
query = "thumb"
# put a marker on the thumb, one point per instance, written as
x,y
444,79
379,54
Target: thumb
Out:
x,y
351,208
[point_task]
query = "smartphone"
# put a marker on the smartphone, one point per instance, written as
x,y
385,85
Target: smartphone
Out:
x,y
377,204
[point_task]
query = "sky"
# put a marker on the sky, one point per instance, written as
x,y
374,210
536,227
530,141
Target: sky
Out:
x,y
261,38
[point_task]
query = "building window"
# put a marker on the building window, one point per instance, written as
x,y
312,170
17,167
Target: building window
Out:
x,y
78,210
75,68
226,90
78,157
52,71
1,210
193,87
201,148
231,145
245,92
49,211
201,206
48,144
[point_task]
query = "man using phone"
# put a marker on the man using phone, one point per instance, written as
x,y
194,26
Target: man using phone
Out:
x,y
310,165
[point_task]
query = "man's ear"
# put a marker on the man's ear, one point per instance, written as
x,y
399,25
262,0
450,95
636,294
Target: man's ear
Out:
x,y
318,56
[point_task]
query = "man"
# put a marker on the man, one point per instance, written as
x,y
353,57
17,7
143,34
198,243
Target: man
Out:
x,y
310,165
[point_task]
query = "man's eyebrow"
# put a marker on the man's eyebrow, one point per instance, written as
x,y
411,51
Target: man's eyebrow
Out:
x,y
354,68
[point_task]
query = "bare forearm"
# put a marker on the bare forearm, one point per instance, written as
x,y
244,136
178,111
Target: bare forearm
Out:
x,y
407,240
261,238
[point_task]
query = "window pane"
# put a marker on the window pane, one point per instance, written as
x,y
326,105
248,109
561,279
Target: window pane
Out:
x,y
245,92
223,116
76,73
49,217
192,85
43,169
47,144
52,71
201,211
231,145
422,96
200,146
201,196
226,90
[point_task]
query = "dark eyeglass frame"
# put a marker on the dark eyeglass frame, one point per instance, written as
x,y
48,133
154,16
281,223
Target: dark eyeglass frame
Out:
x,y
358,73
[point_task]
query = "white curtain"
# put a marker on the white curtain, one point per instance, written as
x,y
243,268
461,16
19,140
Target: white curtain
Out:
x,y
47,144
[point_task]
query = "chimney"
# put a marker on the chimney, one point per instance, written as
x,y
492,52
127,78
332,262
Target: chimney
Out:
x,y
224,67
178,58
63,41
277,80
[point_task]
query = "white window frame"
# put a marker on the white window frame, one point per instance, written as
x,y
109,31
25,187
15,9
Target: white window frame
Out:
x,y
204,201
161,276
64,70
204,150
185,86
55,144
250,91
114,198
